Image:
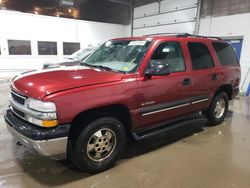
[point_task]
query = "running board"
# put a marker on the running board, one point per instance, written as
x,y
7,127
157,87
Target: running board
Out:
x,y
163,127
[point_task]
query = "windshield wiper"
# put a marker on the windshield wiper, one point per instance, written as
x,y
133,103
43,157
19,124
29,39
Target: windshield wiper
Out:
x,y
102,67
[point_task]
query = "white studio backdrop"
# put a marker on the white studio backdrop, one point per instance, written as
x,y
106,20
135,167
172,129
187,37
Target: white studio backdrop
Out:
x,y
24,26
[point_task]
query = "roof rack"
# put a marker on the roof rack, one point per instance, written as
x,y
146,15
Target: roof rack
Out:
x,y
185,35
193,35
174,34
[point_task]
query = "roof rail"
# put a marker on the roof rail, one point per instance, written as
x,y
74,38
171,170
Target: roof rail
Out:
x,y
158,34
185,35
201,36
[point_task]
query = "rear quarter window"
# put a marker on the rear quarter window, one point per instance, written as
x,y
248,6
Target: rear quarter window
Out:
x,y
225,53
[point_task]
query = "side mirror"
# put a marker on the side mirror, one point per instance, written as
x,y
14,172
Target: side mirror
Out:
x,y
157,68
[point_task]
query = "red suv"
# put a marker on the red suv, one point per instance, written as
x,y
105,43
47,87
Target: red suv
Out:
x,y
137,86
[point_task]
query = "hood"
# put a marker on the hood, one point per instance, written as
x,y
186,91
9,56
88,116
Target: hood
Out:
x,y
38,84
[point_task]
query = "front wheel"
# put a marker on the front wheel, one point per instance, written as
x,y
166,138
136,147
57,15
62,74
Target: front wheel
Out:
x,y
218,109
99,145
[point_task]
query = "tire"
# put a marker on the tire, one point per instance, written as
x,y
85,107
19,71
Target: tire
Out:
x,y
217,110
99,145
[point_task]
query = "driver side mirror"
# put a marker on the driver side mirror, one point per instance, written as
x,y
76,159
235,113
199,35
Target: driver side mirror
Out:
x,y
157,68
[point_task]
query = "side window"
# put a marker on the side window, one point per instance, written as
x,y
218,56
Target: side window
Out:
x,y
47,48
200,56
19,47
225,53
170,53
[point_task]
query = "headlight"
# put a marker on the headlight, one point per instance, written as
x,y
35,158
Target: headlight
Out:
x,y
42,123
45,115
40,106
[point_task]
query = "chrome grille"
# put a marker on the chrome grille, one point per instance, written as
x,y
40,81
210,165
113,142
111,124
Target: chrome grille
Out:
x,y
18,112
17,104
18,98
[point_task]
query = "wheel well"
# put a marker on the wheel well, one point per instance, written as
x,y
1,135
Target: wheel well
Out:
x,y
119,111
228,89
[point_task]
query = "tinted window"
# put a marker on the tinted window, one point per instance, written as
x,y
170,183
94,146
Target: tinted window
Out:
x,y
70,47
225,53
19,47
170,53
200,55
47,48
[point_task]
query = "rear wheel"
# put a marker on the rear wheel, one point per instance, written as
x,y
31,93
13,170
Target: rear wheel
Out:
x,y
218,109
99,145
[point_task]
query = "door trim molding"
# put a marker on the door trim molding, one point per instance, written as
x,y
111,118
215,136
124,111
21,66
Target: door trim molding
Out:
x,y
157,108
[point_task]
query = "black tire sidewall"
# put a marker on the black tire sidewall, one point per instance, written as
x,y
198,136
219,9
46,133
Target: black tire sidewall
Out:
x,y
80,157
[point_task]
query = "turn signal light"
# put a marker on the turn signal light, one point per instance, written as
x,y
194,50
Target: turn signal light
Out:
x,y
49,123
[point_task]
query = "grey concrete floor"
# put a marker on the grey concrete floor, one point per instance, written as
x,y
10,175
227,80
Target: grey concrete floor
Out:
x,y
193,156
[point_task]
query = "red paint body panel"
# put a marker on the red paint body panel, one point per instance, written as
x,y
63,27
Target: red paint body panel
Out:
x,y
74,101
77,89
41,83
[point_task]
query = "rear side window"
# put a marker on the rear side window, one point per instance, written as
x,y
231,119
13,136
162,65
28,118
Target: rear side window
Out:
x,y
225,53
200,56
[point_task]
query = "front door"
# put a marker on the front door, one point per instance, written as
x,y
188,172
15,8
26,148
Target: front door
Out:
x,y
168,96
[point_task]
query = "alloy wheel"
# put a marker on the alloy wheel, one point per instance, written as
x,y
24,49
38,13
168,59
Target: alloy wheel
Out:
x,y
101,144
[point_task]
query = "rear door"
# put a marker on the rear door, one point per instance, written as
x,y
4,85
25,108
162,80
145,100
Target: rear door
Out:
x,y
205,74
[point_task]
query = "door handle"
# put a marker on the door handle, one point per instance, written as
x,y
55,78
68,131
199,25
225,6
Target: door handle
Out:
x,y
215,77
186,82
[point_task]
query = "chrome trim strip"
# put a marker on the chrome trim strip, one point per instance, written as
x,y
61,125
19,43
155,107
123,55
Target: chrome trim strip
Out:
x,y
35,114
166,109
202,100
174,107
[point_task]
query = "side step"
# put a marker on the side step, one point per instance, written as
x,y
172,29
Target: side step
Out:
x,y
164,127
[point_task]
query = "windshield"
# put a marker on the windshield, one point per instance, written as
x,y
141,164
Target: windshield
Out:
x,y
123,56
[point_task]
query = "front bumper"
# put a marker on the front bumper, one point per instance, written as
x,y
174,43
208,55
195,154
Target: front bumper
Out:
x,y
51,142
